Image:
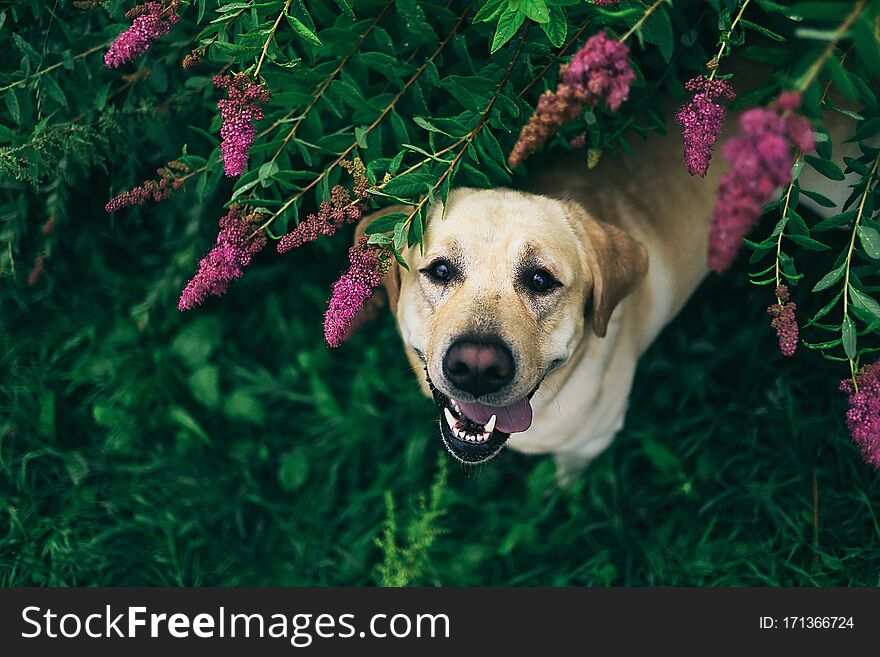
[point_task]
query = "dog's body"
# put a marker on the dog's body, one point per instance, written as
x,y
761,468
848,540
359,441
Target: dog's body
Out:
x,y
623,246
650,196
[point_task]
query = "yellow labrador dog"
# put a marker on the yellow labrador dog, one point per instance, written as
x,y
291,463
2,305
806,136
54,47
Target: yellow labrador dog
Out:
x,y
526,314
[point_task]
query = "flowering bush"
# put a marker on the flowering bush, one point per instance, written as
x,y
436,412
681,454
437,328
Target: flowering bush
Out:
x,y
301,116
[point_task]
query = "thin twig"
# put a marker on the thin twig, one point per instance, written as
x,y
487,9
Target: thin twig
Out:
x,y
269,38
639,23
829,49
726,40
852,244
42,72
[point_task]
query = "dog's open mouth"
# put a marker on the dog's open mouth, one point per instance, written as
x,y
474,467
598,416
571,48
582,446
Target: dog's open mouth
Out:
x,y
475,432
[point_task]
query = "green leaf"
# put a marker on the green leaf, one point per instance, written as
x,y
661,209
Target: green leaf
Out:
x,y
865,40
870,239
808,242
12,105
536,10
205,385
489,11
293,469
300,28
835,221
385,223
345,6
826,167
379,238
265,173
51,87
242,405
201,187
556,28
763,30
399,239
824,201
829,279
658,30
848,337
232,6
508,24
26,49
201,14
399,258
864,302
184,420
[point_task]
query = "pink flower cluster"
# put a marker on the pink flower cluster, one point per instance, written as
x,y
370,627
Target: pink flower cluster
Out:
x,y
170,179
761,159
784,321
701,120
863,416
343,207
352,290
149,21
235,247
598,72
239,110
601,68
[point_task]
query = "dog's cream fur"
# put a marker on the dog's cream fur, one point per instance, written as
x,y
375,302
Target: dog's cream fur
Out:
x,y
628,241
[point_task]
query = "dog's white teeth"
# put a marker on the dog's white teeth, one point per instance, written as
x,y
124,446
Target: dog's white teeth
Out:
x,y
485,436
457,409
490,425
449,418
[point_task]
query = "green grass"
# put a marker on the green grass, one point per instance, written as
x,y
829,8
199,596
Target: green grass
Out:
x,y
228,446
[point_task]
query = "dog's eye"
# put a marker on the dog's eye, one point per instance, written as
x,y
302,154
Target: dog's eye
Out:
x,y
440,271
541,281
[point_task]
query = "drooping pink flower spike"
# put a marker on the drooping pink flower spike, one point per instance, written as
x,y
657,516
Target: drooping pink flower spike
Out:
x,y
343,207
149,21
863,415
598,72
701,120
171,178
784,321
761,158
239,110
235,248
353,289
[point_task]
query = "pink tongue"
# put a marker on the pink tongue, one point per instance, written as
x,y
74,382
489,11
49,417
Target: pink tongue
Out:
x,y
510,419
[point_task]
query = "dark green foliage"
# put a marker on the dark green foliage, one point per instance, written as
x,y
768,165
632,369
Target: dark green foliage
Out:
x,y
229,446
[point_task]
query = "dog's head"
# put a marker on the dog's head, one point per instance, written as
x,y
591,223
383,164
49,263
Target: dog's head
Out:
x,y
498,299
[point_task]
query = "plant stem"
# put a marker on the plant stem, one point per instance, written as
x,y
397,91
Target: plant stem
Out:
x,y
269,39
42,72
639,23
782,230
726,39
829,49
852,244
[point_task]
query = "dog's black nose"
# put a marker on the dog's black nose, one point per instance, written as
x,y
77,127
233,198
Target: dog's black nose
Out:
x,y
479,368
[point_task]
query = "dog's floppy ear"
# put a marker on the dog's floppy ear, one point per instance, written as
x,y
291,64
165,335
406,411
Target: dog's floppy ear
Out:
x,y
391,279
618,263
